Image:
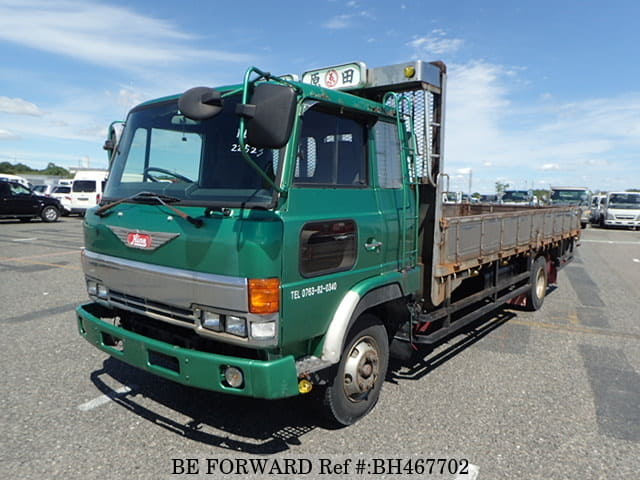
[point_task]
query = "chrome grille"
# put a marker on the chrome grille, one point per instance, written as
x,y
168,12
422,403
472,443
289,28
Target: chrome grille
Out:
x,y
151,308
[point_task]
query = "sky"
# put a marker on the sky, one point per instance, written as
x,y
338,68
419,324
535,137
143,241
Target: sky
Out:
x,y
539,93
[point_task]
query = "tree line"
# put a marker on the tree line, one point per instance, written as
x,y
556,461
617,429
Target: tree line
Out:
x,y
22,169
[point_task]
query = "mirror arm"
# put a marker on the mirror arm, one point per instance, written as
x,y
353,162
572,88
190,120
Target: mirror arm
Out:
x,y
249,160
243,128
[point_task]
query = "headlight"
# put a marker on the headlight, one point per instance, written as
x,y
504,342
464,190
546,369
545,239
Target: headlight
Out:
x,y
103,291
236,326
211,321
96,289
92,287
263,330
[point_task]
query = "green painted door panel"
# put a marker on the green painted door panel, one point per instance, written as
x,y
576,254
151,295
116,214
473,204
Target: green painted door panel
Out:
x,y
310,301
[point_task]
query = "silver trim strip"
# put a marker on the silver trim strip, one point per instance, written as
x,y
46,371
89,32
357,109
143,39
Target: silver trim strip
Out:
x,y
172,286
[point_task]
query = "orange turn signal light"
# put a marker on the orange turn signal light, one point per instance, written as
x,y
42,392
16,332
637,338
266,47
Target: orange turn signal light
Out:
x,y
264,295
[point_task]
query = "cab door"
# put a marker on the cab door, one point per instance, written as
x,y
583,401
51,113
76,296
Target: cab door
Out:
x,y
335,234
395,204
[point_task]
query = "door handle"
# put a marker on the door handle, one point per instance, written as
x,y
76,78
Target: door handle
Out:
x,y
372,245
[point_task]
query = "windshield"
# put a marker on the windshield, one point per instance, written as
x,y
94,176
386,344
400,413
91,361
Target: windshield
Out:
x,y
198,162
516,196
570,197
628,201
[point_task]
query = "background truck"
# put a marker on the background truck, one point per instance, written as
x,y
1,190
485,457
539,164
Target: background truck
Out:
x,y
577,196
621,209
518,197
280,237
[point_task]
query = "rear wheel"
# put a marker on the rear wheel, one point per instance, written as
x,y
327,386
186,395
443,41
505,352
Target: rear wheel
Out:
x,y
49,214
361,371
538,284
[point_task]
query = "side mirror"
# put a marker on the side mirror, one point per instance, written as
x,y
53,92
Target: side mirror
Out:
x,y
200,103
270,115
108,146
113,139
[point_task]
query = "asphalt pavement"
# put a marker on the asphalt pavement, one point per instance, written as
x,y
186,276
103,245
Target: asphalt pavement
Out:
x,y
550,394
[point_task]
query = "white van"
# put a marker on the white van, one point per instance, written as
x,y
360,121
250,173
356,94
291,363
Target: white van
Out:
x,y
87,190
7,177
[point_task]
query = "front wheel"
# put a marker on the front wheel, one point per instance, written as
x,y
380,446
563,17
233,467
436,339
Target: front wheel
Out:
x,y
49,214
361,371
538,284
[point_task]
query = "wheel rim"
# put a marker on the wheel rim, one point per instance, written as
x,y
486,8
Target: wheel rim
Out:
x,y
50,214
541,286
362,369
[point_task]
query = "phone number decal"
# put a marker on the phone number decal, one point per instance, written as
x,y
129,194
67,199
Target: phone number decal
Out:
x,y
314,290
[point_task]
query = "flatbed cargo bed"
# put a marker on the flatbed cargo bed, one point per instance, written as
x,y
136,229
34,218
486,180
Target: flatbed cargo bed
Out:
x,y
475,234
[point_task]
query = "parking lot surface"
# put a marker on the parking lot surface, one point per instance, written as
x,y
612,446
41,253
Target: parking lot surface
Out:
x,y
523,395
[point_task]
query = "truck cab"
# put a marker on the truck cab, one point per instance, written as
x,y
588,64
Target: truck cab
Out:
x,y
518,197
621,209
574,196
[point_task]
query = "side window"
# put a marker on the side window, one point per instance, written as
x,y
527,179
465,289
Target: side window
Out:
x,y
136,158
331,151
17,189
388,155
327,247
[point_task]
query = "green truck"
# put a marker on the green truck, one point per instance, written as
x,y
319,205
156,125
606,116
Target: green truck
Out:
x,y
282,236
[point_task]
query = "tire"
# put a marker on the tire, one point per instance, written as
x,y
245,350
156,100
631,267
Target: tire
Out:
x,y
538,284
49,214
355,389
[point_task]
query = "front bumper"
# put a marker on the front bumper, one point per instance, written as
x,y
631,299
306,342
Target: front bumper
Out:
x,y
622,222
262,379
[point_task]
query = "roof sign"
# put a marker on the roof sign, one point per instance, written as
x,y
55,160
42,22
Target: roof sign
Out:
x,y
340,77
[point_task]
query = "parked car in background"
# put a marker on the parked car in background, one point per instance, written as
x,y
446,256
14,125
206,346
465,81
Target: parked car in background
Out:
x,y
44,189
87,190
63,194
489,198
597,206
18,201
451,197
7,177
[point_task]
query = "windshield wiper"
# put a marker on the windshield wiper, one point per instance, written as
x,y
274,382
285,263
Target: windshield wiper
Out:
x,y
141,197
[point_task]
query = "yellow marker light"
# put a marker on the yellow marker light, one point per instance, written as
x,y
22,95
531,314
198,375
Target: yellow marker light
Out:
x,y
409,72
304,386
264,295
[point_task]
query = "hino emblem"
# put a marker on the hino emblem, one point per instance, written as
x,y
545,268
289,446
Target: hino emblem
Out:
x,y
142,239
